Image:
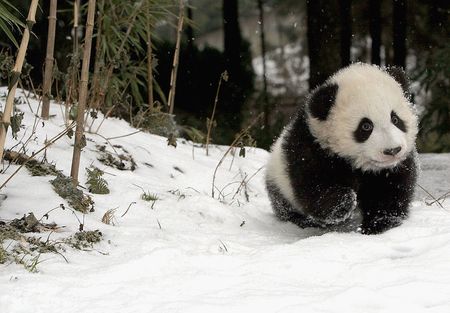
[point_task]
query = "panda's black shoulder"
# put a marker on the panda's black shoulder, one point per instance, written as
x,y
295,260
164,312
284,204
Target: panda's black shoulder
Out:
x,y
298,139
305,156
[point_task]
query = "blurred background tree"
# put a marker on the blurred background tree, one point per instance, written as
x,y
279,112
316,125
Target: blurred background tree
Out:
x,y
305,42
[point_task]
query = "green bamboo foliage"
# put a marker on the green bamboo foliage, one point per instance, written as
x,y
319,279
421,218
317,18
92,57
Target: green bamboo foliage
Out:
x,y
95,181
124,26
9,21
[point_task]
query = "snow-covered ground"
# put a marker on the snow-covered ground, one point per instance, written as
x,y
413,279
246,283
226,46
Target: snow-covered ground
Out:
x,y
193,253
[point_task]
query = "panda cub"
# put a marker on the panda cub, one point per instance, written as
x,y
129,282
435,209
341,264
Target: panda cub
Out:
x,y
350,147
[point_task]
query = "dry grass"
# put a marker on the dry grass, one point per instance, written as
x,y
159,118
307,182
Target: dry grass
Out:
x,y
109,218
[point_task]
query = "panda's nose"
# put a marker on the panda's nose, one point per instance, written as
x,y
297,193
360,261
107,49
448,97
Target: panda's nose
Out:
x,y
392,151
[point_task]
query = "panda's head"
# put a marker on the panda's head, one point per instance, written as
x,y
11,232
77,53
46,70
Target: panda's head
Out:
x,y
363,114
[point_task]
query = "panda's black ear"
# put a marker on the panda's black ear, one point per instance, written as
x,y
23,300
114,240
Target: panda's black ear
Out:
x,y
400,76
322,100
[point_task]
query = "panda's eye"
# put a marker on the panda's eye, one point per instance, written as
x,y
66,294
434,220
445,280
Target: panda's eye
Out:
x,y
366,126
398,122
394,119
364,130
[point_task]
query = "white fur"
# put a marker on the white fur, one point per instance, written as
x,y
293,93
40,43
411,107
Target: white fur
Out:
x,y
367,91
276,171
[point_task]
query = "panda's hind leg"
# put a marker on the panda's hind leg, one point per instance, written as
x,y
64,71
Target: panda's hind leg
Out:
x,y
284,210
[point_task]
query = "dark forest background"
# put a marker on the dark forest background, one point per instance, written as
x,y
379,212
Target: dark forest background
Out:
x,y
253,40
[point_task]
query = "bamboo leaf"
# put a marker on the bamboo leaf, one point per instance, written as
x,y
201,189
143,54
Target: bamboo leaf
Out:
x,y
9,20
5,29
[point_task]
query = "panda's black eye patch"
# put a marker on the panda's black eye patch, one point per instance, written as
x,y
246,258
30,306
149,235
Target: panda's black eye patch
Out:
x,y
364,130
397,121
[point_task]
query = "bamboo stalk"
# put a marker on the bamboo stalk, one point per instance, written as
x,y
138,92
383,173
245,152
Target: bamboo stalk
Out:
x,y
98,54
76,10
149,61
83,92
6,118
49,60
73,73
176,57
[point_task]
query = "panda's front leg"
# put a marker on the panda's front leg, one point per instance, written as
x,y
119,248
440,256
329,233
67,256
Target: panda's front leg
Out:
x,y
381,213
384,198
330,204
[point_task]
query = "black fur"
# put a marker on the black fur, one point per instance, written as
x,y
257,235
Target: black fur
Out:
x,y
399,75
321,101
324,186
384,197
285,210
397,121
361,134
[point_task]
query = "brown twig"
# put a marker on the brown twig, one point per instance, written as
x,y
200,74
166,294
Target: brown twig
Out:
x,y
108,142
126,135
105,117
442,197
48,144
223,76
239,136
129,206
433,197
244,183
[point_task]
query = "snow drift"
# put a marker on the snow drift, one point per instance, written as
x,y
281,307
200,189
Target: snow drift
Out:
x,y
188,252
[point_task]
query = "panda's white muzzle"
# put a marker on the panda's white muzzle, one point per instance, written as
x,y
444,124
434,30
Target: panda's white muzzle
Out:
x,y
387,147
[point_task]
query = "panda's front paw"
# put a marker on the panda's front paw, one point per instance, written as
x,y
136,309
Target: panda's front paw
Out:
x,y
336,206
343,208
377,224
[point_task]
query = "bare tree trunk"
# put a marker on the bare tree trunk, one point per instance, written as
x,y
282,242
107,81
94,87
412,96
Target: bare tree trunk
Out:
x,y
375,30
399,32
240,84
189,29
266,107
324,42
149,61
176,57
345,7
83,92
6,118
49,60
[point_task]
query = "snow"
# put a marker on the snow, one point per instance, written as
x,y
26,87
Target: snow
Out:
x,y
193,253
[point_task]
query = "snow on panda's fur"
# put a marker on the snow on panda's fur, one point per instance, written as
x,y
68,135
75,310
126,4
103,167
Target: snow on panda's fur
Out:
x,y
351,146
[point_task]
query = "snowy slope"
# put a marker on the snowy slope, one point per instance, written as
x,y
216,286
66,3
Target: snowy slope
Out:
x,y
193,253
